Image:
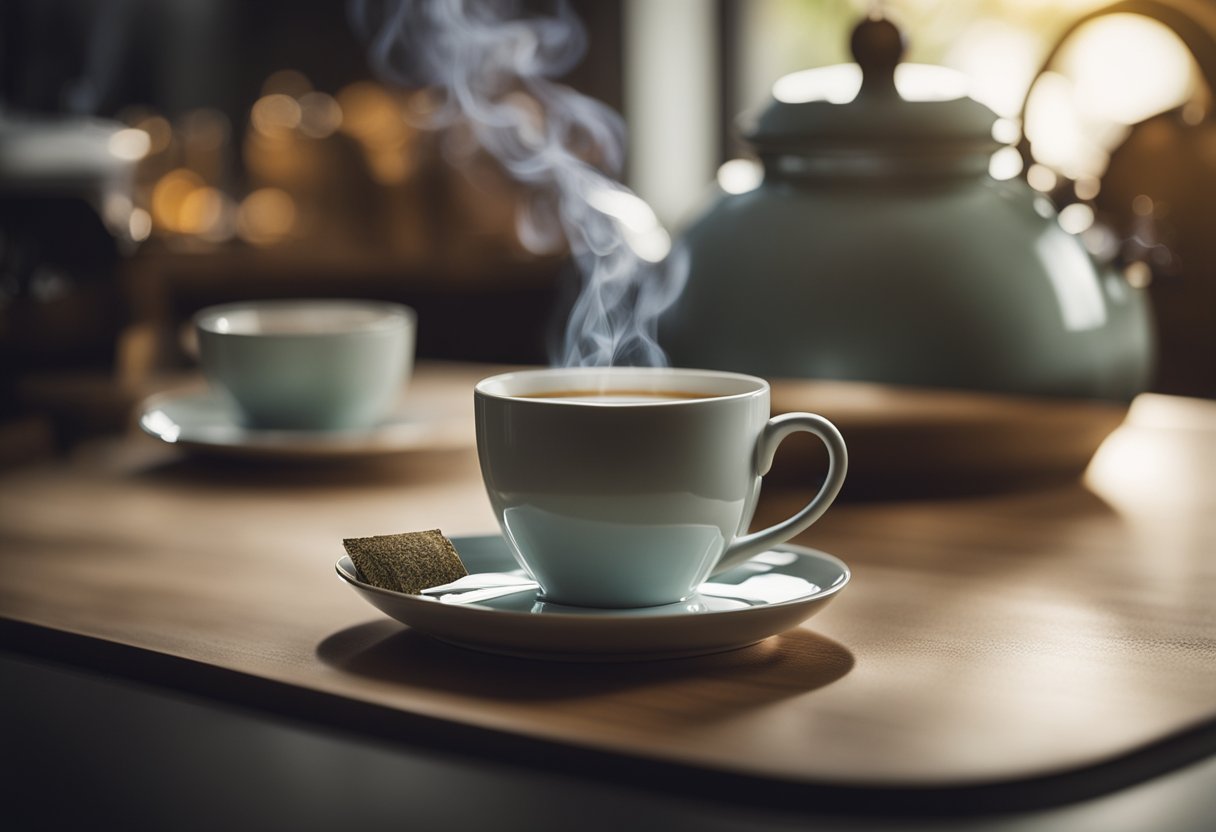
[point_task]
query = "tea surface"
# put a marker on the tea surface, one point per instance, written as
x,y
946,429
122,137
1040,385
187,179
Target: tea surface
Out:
x,y
617,396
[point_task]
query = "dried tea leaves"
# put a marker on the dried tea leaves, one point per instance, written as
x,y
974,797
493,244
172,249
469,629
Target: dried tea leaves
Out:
x,y
408,562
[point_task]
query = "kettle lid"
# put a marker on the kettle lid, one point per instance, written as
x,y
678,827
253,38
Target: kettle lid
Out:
x,y
877,101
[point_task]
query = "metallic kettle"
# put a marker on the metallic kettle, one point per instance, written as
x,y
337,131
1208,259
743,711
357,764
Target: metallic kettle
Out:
x,y
878,247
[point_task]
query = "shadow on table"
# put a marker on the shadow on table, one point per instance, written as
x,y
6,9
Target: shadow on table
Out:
x,y
782,666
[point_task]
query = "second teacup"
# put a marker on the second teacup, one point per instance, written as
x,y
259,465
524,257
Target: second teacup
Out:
x,y
308,364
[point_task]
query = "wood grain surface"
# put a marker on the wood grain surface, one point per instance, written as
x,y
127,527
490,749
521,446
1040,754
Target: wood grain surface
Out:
x,y
983,639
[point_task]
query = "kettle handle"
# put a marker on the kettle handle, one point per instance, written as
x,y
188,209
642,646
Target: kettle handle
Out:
x,y
1193,22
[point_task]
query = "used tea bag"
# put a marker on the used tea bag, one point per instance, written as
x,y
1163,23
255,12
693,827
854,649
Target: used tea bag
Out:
x,y
408,562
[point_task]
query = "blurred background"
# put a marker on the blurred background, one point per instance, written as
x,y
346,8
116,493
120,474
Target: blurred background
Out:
x,y
157,156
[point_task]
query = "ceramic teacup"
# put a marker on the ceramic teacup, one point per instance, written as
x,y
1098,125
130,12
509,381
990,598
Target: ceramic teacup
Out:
x,y
308,364
628,487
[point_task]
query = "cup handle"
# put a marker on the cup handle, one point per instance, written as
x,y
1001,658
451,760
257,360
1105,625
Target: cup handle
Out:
x,y
775,431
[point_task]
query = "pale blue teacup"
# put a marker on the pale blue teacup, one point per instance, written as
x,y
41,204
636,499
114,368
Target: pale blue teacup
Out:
x,y
308,364
628,486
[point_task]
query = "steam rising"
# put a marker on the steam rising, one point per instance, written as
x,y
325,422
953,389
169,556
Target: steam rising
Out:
x,y
493,70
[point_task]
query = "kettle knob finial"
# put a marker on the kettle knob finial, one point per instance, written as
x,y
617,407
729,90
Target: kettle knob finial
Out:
x,y
877,46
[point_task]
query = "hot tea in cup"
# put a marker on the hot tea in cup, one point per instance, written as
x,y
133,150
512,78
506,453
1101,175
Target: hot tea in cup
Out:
x,y
628,487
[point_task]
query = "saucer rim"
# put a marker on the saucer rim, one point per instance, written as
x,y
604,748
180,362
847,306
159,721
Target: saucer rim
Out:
x,y
571,619
349,442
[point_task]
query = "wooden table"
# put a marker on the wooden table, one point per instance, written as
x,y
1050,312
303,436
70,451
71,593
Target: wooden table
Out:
x,y
992,651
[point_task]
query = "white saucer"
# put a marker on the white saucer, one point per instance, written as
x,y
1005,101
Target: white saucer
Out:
x,y
204,421
519,624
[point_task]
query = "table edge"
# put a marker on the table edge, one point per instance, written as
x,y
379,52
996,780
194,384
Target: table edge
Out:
x,y
382,724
